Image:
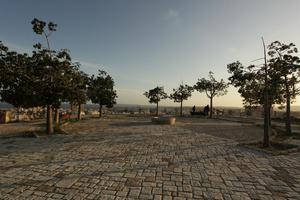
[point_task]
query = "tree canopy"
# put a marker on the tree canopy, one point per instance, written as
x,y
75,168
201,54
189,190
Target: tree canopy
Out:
x,y
286,64
183,92
155,95
251,84
212,88
101,90
16,82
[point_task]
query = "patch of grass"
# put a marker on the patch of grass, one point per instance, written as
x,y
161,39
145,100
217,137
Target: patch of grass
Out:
x,y
73,120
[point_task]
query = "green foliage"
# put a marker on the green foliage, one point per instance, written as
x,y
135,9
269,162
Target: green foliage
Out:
x,y
53,75
282,80
72,120
46,78
248,85
286,65
38,27
76,91
16,82
211,86
183,92
58,79
156,94
251,84
101,90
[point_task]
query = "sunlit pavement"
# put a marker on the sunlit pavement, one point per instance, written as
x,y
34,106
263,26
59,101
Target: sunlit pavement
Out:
x,y
127,159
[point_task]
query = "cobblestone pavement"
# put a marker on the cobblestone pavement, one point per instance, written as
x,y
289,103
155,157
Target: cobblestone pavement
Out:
x,y
126,159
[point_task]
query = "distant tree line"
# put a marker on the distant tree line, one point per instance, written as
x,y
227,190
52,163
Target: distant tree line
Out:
x,y
49,77
210,86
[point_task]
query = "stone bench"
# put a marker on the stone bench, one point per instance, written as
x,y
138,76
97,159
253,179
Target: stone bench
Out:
x,y
164,120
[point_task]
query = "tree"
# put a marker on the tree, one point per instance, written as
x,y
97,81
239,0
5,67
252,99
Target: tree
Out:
x,y
38,27
155,95
286,65
51,70
16,81
183,92
77,90
42,79
44,58
101,91
258,85
212,88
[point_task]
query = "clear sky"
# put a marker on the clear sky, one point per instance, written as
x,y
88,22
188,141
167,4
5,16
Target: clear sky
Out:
x,y
145,43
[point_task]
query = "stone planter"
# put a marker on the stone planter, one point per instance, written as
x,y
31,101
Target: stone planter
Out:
x,y
164,120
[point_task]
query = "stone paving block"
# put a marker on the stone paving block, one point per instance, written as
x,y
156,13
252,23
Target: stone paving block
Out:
x,y
66,182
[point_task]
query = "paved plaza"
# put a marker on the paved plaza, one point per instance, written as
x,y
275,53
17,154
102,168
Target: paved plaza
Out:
x,y
134,159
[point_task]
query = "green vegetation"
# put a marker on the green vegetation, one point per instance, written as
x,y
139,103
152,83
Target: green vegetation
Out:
x,y
183,92
47,78
155,95
274,82
101,91
286,66
212,88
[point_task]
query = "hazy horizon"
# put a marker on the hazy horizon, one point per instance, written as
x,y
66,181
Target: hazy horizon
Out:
x,y
144,44
294,108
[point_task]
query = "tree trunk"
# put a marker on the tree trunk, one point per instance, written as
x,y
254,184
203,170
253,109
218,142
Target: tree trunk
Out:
x,y
100,111
211,107
49,120
288,115
18,114
157,109
270,118
79,112
181,108
57,117
266,142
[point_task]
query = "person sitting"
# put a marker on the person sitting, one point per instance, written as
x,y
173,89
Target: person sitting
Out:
x,y
206,110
